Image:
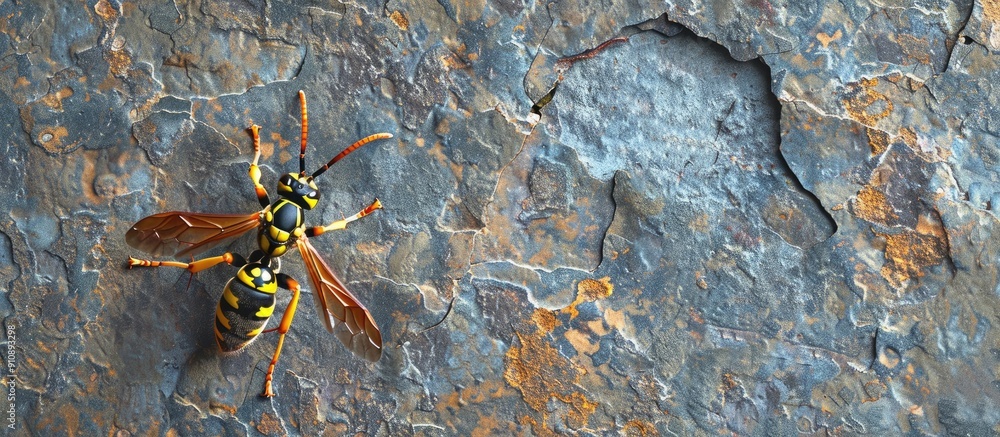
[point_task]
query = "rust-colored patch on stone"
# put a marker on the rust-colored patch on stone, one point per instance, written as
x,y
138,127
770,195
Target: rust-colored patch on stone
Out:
x,y
342,376
825,39
119,61
991,18
486,427
528,421
400,20
67,417
864,104
909,254
269,425
545,320
592,289
104,10
728,382
872,205
267,149
488,390
909,136
220,409
88,178
636,427
700,224
589,290
878,140
581,341
53,140
924,148
991,11
617,320
55,100
873,390
541,373
580,410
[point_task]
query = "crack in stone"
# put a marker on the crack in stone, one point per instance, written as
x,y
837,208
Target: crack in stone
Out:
x,y
536,109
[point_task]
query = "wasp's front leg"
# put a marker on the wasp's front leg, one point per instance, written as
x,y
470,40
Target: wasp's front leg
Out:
x,y
342,223
255,170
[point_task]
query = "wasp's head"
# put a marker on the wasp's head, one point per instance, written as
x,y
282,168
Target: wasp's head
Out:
x,y
299,189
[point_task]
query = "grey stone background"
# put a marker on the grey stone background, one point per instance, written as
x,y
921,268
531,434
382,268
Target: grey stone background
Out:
x,y
638,218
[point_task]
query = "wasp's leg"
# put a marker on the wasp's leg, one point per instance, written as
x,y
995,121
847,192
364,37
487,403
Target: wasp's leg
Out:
x,y
193,266
342,223
286,282
255,170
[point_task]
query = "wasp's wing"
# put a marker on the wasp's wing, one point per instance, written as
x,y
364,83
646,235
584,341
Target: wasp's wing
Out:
x,y
341,312
182,234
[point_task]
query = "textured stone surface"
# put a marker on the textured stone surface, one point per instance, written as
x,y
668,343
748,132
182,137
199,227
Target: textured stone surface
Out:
x,y
600,217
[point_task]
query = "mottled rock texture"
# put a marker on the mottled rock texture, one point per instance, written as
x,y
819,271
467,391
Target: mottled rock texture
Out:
x,y
601,217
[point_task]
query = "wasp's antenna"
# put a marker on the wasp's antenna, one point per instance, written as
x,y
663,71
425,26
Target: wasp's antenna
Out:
x,y
357,144
305,133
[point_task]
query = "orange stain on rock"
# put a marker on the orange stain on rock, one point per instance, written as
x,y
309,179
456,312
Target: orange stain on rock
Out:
x,y
825,39
581,342
104,10
878,140
487,426
864,104
269,425
401,21
908,254
700,224
615,319
636,427
119,61
598,327
267,149
872,205
545,320
53,140
89,175
589,290
541,373
537,370
54,100
873,390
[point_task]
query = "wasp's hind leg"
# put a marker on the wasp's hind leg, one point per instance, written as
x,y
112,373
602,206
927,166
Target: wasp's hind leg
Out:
x,y
286,282
193,266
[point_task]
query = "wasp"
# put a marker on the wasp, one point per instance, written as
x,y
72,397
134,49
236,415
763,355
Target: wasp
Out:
x,y
248,299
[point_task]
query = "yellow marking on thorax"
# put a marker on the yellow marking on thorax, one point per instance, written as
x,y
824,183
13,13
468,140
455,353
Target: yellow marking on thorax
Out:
x,y
278,234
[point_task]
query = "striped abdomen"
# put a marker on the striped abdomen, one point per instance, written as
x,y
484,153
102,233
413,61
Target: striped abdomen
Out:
x,y
246,305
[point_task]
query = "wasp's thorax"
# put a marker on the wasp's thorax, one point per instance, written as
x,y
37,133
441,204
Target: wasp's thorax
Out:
x,y
300,189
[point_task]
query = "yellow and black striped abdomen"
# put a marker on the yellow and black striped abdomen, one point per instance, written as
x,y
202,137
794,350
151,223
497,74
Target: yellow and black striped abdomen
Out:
x,y
246,305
